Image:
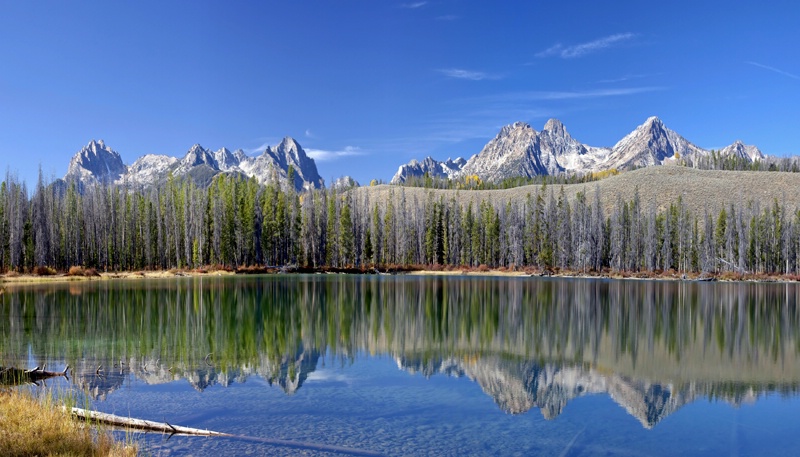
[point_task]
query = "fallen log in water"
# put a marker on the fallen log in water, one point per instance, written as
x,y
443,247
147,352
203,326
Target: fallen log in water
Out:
x,y
11,376
167,428
139,424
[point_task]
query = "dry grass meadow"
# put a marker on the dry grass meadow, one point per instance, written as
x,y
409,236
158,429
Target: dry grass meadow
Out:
x,y
33,427
659,186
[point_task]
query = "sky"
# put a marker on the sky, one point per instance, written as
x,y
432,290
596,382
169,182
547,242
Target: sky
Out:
x,y
365,86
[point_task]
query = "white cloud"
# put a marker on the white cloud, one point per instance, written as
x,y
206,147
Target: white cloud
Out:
x,y
323,155
579,50
309,133
551,51
773,69
414,5
459,73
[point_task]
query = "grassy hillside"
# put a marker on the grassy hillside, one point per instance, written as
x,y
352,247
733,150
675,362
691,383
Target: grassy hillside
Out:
x,y
658,186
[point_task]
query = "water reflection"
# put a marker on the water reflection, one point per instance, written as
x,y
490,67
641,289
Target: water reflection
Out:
x,y
529,343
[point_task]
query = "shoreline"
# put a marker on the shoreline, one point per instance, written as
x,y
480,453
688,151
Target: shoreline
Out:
x,y
16,279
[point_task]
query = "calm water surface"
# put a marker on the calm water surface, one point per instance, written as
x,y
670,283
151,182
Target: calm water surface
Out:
x,y
426,365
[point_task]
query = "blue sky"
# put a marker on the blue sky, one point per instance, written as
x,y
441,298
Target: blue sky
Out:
x,y
368,85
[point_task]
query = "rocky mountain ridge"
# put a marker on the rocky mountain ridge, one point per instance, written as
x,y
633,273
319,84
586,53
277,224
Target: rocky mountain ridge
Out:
x,y
97,163
519,150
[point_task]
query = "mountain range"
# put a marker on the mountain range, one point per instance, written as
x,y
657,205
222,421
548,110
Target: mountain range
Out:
x,y
97,163
519,150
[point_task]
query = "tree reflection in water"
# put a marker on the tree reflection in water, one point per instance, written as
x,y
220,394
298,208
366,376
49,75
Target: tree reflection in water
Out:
x,y
653,346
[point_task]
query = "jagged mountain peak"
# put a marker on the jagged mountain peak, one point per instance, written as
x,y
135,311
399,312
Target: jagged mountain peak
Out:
x,y
743,151
651,126
96,162
227,160
651,143
556,140
289,145
289,153
196,149
516,126
654,121
289,142
96,145
198,155
515,151
555,126
286,149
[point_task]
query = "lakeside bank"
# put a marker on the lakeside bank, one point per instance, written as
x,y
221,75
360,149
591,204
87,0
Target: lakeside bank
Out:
x,y
16,279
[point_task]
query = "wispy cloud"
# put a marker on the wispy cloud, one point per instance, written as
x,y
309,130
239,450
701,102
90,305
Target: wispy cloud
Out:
x,y
569,95
324,155
579,50
460,73
414,5
447,17
773,69
309,133
623,78
265,142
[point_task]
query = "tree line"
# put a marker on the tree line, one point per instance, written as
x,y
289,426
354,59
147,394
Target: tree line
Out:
x,y
236,222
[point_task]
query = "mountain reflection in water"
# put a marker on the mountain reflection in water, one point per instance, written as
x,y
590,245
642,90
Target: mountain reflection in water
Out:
x,y
529,343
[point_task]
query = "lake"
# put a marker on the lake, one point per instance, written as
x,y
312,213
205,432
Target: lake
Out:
x,y
413,365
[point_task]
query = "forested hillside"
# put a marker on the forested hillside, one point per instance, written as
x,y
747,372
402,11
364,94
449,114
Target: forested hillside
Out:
x,y
660,218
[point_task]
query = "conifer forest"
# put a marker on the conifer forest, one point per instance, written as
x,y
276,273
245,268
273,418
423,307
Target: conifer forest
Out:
x,y
236,222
